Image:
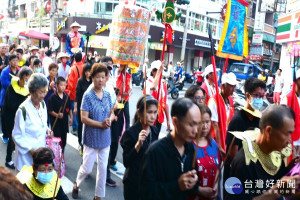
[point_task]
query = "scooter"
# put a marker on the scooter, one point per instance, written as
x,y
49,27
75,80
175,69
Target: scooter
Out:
x,y
190,78
172,89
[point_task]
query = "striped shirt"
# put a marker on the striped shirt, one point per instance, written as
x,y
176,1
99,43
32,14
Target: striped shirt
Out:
x,y
99,110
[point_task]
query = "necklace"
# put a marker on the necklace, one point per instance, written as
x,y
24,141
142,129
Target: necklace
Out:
x,y
39,112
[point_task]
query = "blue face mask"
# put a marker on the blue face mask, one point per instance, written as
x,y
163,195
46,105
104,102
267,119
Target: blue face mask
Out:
x,y
256,103
44,177
38,70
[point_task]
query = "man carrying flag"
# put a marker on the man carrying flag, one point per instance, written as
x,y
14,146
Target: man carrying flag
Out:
x,y
292,99
222,118
162,95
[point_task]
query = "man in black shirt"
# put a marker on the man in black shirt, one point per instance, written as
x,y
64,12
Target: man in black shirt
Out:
x,y
259,164
245,119
166,172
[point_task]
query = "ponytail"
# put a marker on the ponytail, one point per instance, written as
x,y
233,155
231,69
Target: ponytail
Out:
x,y
140,106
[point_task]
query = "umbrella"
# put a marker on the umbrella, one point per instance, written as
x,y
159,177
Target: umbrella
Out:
x,y
34,34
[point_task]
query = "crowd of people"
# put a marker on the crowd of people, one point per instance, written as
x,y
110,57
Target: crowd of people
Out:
x,y
42,97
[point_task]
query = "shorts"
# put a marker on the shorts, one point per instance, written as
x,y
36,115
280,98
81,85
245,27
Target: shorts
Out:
x,y
276,97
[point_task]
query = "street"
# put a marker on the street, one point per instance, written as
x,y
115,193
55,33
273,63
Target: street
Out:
x,y
73,159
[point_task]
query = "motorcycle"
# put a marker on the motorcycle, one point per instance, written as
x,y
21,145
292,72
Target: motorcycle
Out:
x,y
137,79
172,89
190,78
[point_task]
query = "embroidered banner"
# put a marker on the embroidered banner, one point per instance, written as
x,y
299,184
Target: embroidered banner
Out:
x,y
234,39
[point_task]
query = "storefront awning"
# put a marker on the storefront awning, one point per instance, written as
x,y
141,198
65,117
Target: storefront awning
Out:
x,y
35,34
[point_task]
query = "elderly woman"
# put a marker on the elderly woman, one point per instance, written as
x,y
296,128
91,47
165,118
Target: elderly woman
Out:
x,y
40,178
196,93
15,94
30,129
96,115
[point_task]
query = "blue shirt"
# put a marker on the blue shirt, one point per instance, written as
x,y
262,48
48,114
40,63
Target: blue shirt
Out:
x,y
99,110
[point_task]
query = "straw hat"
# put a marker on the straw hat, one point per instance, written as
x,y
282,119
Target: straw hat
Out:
x,y
63,54
33,48
75,24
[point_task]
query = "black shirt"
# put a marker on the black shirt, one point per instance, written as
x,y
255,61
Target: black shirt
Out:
x,y
62,126
252,172
161,169
240,122
131,158
11,103
82,86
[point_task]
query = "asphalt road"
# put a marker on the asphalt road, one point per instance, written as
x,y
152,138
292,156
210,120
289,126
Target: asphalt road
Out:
x,y
73,159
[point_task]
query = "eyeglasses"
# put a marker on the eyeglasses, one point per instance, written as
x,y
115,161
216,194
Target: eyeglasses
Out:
x,y
258,96
199,98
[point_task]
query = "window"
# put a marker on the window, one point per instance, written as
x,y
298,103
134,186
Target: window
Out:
x,y
108,7
213,25
97,8
253,10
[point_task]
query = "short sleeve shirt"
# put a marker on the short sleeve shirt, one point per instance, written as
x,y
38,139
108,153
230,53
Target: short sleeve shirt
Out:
x,y
99,110
278,84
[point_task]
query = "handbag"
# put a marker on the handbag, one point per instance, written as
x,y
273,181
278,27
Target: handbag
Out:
x,y
55,145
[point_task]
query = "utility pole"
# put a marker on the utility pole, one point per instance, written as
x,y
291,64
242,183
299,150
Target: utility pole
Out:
x,y
52,23
185,32
274,44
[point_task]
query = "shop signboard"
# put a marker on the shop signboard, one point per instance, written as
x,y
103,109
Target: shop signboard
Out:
x,y
202,43
257,39
256,53
293,49
156,46
101,42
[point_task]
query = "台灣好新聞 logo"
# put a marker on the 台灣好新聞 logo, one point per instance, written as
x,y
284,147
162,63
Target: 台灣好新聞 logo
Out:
x,y
233,186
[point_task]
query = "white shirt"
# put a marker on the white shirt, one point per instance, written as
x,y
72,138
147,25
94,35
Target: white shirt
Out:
x,y
214,111
30,133
46,62
62,71
278,84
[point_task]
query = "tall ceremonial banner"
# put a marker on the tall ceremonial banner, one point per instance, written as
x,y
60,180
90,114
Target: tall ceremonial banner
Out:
x,y
234,38
128,33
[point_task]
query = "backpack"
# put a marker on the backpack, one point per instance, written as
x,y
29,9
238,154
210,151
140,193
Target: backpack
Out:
x,y
24,110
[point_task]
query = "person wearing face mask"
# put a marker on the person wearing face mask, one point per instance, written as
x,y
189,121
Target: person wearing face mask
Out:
x,y
15,94
40,178
37,66
247,118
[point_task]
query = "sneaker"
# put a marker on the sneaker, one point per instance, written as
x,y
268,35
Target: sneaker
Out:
x,y
114,167
5,140
74,132
111,182
10,165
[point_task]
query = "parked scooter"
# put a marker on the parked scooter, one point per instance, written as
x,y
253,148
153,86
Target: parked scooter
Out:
x,y
190,78
172,89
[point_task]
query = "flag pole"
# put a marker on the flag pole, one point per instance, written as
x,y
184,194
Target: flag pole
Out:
x,y
216,83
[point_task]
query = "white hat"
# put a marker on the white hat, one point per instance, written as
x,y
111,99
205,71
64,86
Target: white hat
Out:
x,y
229,78
298,74
62,54
155,64
178,63
75,24
33,48
208,69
